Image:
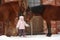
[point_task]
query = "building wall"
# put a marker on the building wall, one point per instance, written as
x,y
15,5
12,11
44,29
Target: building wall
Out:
x,y
58,26
48,2
5,1
44,2
10,0
58,2
51,2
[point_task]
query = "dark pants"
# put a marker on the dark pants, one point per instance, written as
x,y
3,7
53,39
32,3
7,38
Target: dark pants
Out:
x,y
21,32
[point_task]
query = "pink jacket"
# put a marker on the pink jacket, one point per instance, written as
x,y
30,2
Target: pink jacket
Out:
x,y
21,23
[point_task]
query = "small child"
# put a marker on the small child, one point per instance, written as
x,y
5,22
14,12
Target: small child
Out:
x,y
21,26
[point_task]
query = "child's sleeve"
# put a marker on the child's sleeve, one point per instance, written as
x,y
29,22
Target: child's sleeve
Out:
x,y
26,24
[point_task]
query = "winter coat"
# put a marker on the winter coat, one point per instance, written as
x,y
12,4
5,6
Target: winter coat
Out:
x,y
21,23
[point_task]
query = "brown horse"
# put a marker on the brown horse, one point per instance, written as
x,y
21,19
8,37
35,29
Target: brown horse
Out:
x,y
8,13
48,13
51,13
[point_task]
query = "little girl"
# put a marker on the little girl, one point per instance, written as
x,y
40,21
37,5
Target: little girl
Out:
x,y
21,26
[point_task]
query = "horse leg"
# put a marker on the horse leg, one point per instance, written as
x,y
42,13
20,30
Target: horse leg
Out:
x,y
49,29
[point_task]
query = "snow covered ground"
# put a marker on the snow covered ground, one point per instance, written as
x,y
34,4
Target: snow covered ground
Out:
x,y
31,37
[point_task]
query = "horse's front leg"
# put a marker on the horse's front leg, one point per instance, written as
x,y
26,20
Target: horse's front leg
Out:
x,y
49,29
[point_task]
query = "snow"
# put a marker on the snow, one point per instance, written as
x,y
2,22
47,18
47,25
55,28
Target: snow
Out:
x,y
31,37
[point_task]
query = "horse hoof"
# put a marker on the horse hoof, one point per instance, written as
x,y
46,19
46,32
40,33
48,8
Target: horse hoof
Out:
x,y
49,34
